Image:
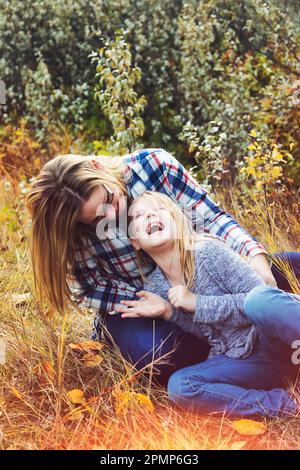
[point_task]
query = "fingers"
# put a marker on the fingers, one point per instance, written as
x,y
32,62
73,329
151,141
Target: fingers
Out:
x,y
143,293
177,290
174,299
175,296
180,286
125,309
130,303
130,307
128,312
130,315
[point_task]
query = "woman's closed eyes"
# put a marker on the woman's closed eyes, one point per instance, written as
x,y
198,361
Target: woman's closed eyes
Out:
x,y
108,200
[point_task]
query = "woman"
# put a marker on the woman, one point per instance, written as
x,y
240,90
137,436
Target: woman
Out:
x,y
205,288
72,196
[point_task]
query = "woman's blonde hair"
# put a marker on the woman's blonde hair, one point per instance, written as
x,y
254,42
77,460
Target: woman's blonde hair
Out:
x,y
54,202
186,237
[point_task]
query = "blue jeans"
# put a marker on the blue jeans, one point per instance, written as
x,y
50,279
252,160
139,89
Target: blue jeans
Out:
x,y
255,385
142,339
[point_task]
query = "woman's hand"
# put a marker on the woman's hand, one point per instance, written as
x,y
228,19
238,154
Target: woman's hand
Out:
x,y
179,296
149,305
261,265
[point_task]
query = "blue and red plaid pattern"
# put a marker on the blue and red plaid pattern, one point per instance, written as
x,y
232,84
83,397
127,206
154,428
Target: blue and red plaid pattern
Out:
x,y
109,272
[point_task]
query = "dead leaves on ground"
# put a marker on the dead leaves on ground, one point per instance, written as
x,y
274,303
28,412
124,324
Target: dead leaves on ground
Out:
x,y
76,396
88,352
79,405
130,400
125,401
249,427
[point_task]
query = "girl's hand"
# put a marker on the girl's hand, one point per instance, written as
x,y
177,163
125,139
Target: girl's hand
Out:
x,y
179,296
149,305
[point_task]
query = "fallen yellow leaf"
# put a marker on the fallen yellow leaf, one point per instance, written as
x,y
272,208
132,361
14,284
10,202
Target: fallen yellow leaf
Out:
x,y
87,346
88,351
125,400
122,401
145,402
76,396
249,427
92,360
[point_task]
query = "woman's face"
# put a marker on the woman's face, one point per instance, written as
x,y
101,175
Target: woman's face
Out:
x,y
151,225
96,207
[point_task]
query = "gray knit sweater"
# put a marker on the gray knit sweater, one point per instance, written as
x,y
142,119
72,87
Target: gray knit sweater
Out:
x,y
221,283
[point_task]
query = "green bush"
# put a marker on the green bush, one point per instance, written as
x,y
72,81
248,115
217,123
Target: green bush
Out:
x,y
201,62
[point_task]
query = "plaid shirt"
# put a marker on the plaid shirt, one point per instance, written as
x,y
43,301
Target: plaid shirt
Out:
x,y
110,272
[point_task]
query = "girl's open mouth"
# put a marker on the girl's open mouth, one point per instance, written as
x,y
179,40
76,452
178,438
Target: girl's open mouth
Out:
x,y
153,227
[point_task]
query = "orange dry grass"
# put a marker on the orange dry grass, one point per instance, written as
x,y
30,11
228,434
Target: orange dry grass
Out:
x,y
112,406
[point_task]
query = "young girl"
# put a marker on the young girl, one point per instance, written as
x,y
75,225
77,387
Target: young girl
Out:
x,y
204,287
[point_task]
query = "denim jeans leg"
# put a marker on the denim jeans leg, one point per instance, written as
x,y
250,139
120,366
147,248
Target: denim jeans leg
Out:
x,y
277,316
143,340
257,384
234,387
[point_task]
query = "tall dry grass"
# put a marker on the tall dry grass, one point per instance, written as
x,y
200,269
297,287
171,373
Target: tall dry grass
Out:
x,y
40,368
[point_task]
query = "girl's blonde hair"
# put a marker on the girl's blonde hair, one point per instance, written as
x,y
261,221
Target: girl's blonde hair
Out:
x,y
55,203
186,237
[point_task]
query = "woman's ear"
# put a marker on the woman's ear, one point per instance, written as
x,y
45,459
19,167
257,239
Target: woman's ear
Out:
x,y
97,165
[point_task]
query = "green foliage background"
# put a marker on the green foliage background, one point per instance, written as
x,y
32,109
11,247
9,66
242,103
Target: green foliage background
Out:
x,y
191,76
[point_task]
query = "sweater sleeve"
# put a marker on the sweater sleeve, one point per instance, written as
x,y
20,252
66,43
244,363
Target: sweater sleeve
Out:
x,y
235,278
185,321
157,284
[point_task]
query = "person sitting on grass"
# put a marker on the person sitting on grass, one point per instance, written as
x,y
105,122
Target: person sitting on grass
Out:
x,y
74,194
203,286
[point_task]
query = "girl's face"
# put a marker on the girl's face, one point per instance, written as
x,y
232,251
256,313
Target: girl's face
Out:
x,y
151,226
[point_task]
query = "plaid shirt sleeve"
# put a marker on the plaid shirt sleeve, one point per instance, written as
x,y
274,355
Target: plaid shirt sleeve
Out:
x,y
97,289
205,214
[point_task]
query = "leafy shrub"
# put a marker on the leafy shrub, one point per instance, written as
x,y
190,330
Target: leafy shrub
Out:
x,y
234,63
116,93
